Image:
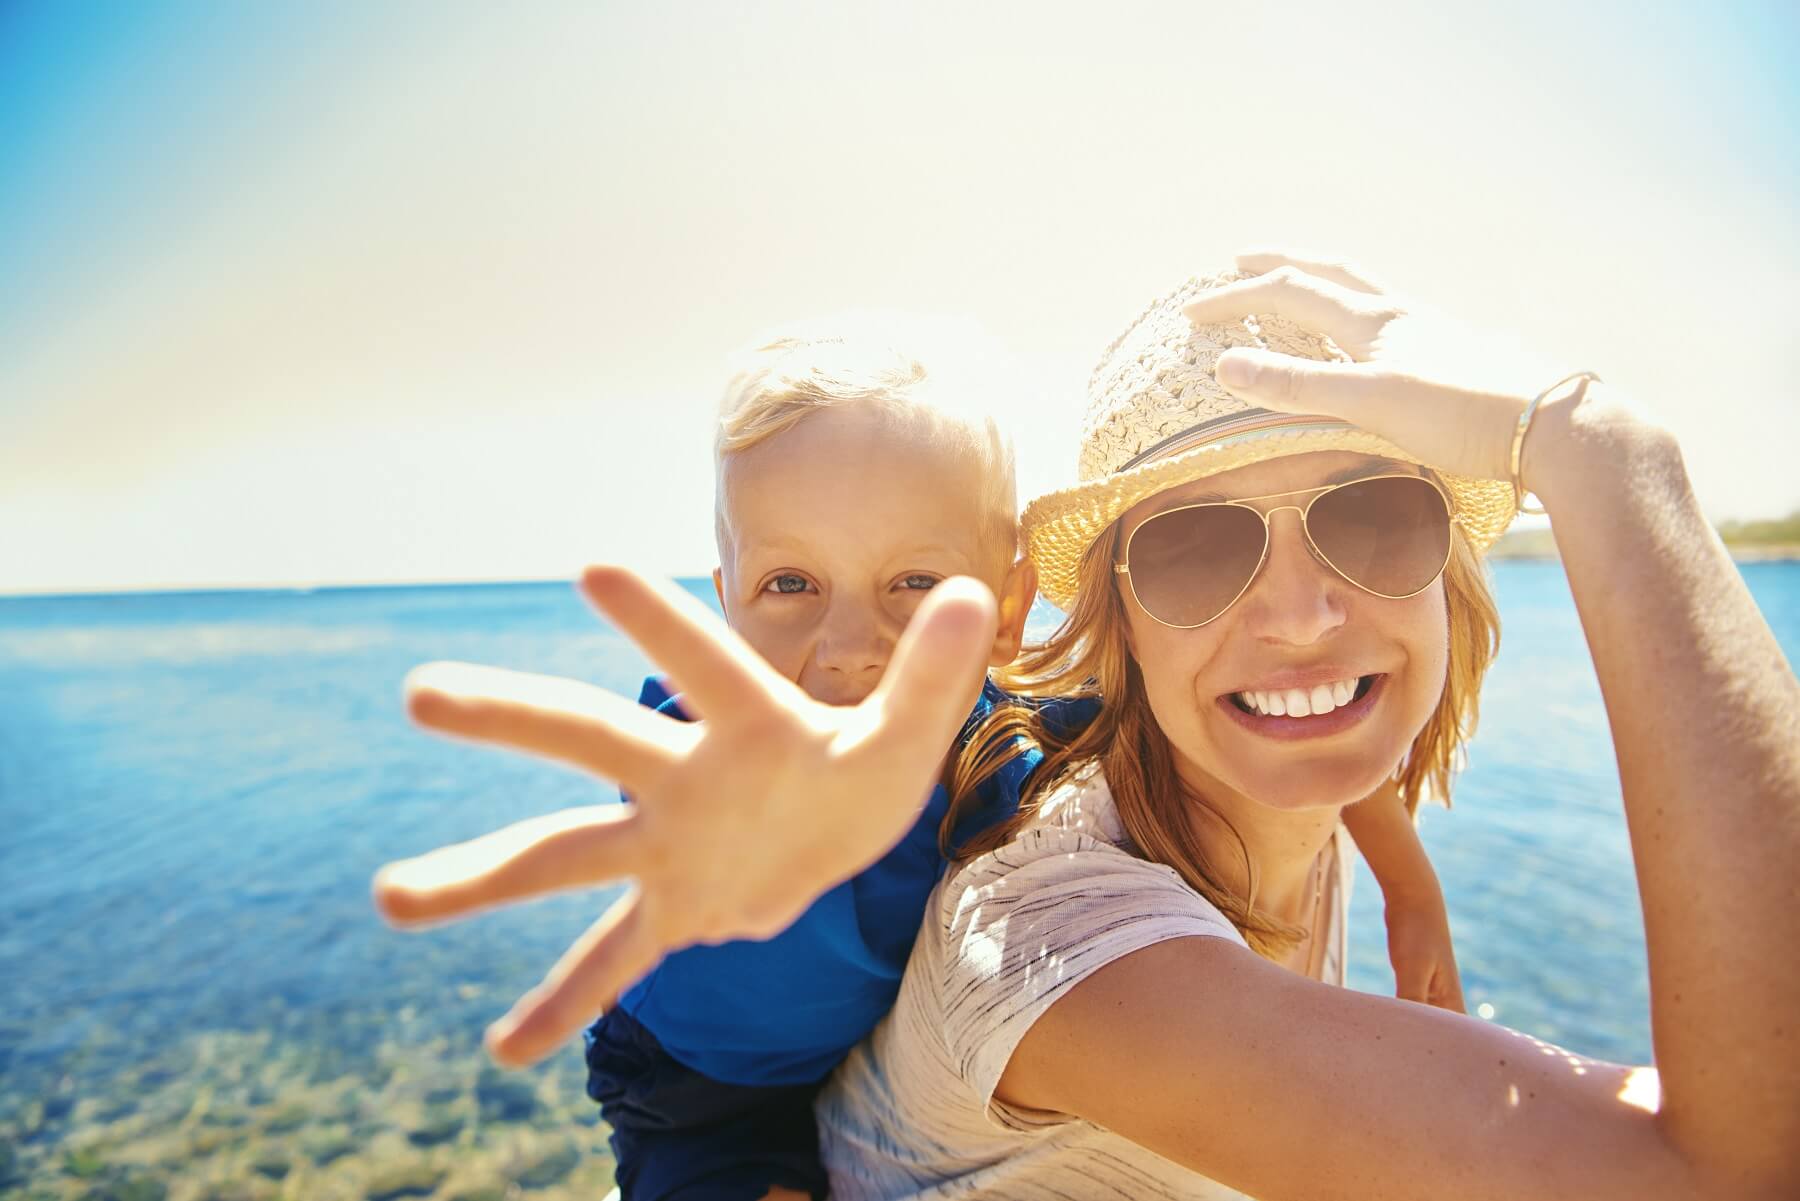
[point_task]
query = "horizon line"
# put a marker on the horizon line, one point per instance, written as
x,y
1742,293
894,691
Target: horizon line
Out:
x,y
55,592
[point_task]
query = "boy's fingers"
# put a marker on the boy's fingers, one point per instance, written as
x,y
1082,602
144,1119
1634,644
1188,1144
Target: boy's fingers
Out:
x,y
1412,984
606,960
718,672
564,720
936,670
1448,993
1264,260
574,848
1318,304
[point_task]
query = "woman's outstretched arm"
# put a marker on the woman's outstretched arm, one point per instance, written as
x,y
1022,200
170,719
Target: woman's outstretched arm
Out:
x,y
1705,717
1289,1089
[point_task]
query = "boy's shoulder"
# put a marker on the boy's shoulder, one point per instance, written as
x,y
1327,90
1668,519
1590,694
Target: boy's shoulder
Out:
x,y
656,694
1065,716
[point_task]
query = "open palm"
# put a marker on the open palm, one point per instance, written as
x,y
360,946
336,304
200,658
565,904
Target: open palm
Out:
x,y
740,819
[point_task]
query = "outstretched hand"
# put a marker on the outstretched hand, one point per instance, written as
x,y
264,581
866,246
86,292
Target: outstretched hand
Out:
x,y
740,819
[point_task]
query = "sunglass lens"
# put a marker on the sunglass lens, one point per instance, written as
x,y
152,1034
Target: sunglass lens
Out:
x,y
1188,565
1390,535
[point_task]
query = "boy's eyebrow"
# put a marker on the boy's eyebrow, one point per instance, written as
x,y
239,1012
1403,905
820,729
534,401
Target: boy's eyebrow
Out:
x,y
770,540
782,542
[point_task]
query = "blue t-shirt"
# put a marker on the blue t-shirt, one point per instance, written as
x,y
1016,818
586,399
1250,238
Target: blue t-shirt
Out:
x,y
785,1010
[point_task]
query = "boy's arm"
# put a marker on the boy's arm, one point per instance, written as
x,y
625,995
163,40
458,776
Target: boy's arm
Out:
x,y
1418,923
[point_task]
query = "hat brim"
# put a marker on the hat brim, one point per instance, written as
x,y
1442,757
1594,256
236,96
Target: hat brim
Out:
x,y
1060,526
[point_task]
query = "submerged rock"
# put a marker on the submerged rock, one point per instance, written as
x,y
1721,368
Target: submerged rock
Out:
x,y
491,1190
326,1145
272,1164
505,1098
236,1190
440,1089
210,1140
130,1187
83,1163
290,1117
547,1165
438,1125
416,1179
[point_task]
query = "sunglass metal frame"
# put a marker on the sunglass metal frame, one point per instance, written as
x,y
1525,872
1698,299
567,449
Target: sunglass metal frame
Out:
x,y
1247,502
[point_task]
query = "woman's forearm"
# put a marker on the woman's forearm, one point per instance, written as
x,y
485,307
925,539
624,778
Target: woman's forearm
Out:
x,y
1705,718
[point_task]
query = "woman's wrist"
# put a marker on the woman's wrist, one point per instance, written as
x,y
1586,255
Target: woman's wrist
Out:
x,y
1590,449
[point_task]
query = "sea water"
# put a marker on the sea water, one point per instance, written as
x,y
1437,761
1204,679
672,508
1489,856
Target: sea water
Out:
x,y
196,996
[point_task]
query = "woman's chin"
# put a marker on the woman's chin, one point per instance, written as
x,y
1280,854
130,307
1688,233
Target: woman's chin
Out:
x,y
1329,783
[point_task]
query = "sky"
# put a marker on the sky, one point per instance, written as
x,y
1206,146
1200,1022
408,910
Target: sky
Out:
x,y
294,294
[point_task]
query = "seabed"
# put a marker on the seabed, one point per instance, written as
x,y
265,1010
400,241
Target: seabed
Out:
x,y
238,1116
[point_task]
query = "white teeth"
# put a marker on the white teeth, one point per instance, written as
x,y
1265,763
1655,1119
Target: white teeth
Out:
x,y
1301,702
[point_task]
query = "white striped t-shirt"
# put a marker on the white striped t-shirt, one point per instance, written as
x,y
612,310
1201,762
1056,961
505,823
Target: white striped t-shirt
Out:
x,y
911,1114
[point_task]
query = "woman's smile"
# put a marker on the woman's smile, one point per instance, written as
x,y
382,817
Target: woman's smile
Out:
x,y
1298,712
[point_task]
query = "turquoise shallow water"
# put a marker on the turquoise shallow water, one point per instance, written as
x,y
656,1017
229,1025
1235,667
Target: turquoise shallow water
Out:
x,y
196,788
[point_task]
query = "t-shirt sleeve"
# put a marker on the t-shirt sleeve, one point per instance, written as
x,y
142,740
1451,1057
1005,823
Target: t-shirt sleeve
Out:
x,y
1028,922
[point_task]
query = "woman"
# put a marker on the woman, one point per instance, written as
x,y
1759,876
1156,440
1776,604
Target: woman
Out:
x,y
1080,1020
1281,614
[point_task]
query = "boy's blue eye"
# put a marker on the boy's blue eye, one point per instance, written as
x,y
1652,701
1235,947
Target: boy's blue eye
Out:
x,y
919,581
787,584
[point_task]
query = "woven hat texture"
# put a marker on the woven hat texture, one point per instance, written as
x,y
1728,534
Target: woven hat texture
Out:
x,y
1157,419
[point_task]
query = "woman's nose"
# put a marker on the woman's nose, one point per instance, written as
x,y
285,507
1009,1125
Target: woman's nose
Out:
x,y
1296,599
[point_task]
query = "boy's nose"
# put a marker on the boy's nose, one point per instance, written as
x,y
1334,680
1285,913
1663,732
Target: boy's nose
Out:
x,y
854,642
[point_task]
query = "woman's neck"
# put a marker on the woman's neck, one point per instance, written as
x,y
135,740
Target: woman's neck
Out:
x,y
1283,844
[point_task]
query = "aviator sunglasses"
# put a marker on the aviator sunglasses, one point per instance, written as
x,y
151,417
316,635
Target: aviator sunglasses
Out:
x,y
1387,534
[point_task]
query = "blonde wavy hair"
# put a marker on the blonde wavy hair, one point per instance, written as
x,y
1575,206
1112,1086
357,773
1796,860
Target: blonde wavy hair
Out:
x,y
1088,656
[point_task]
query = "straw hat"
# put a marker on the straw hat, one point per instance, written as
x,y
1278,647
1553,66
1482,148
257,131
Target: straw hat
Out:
x,y
1157,418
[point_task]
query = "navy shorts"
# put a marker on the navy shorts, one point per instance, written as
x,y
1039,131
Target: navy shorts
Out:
x,y
681,1136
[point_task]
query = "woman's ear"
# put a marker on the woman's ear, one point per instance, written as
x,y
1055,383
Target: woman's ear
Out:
x,y
1016,593
719,584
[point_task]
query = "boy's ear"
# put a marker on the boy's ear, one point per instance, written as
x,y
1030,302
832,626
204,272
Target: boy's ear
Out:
x,y
1017,592
719,585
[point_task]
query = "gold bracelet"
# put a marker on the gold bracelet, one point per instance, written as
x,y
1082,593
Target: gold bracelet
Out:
x,y
1518,442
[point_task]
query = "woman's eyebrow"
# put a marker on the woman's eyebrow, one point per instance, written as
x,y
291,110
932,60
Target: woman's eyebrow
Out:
x,y
1368,469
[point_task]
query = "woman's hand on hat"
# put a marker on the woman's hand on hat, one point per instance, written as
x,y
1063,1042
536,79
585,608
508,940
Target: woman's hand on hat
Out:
x,y
740,819
1437,390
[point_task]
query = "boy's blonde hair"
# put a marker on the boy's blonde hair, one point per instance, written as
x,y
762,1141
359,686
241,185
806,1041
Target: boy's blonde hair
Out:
x,y
783,380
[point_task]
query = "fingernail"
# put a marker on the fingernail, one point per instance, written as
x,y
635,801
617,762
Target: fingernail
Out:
x,y
1236,371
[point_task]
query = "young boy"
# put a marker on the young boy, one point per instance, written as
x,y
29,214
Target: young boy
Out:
x,y
845,490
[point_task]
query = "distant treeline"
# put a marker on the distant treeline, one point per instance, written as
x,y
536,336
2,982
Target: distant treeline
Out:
x,y
1782,533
